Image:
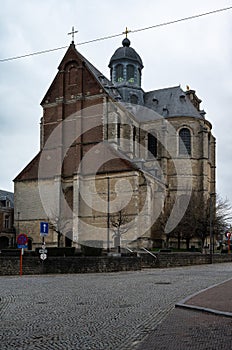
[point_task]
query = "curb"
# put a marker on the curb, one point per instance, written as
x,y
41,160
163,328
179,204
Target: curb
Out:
x,y
182,304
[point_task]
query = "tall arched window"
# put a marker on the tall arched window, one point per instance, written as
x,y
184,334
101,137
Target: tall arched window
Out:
x,y
152,145
119,73
184,141
134,139
130,73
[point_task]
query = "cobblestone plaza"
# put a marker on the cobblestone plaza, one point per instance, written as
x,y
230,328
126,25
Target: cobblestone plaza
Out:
x,y
95,311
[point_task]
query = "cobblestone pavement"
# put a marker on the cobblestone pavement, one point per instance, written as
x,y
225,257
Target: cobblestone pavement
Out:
x,y
190,330
96,311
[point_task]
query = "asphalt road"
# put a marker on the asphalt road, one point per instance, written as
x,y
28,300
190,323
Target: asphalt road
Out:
x,y
95,311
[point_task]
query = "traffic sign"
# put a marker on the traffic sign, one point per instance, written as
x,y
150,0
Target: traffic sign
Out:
x,y
22,246
22,240
43,256
44,228
43,251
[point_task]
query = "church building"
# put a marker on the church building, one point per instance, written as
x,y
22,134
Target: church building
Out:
x,y
117,165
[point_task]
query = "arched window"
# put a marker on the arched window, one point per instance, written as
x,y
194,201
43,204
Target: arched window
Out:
x,y
139,76
184,141
7,221
134,99
72,75
130,73
134,139
119,73
152,145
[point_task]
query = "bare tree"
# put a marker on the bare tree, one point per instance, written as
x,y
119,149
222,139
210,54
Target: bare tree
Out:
x,y
196,220
223,216
120,224
60,225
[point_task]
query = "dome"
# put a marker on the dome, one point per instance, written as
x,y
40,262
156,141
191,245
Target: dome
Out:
x,y
126,53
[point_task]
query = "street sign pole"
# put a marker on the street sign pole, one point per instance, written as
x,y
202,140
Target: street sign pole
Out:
x,y
44,229
22,241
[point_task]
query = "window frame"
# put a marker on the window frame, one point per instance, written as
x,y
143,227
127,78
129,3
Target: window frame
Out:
x,y
130,77
184,142
119,76
152,151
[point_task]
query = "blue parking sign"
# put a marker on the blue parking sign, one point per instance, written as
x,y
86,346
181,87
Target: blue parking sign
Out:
x,y
44,228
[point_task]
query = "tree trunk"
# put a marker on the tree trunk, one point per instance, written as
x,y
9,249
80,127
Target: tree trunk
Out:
x,y
187,243
178,241
58,239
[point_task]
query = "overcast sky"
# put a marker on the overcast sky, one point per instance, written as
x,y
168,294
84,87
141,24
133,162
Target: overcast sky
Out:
x,y
197,53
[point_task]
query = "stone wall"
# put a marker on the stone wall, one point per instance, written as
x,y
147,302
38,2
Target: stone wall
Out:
x,y
181,259
9,265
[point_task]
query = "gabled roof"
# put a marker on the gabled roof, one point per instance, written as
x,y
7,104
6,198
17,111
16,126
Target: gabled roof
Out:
x,y
73,54
30,172
171,102
104,158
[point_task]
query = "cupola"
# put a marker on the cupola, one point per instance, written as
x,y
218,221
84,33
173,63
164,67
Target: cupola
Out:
x,y
125,70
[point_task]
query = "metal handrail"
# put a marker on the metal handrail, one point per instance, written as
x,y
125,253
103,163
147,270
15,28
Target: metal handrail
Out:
x,y
131,251
146,250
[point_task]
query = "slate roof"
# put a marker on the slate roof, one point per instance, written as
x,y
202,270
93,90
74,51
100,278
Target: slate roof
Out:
x,y
171,102
7,195
167,102
103,81
126,52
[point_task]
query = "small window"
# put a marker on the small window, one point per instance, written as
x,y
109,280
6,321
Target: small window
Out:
x,y
119,73
134,99
130,73
7,221
184,141
152,145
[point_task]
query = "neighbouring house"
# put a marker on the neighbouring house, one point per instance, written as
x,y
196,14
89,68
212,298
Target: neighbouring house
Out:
x,y
7,231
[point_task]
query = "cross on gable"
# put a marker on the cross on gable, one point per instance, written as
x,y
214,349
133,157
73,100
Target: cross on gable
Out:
x,y
126,31
73,32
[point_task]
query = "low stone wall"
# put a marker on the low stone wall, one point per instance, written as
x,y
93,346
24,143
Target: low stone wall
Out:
x,y
9,265
181,259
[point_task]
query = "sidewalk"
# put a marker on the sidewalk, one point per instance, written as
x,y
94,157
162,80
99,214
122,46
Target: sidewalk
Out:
x,y
202,321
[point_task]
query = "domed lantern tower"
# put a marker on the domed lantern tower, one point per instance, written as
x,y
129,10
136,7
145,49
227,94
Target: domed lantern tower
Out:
x,y
126,69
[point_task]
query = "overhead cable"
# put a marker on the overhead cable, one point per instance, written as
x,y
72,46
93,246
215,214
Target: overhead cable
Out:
x,y
120,34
